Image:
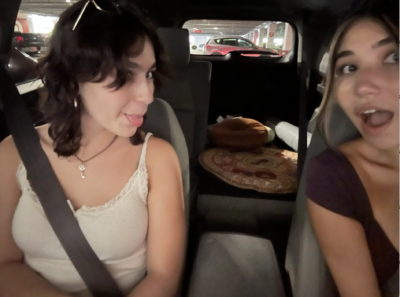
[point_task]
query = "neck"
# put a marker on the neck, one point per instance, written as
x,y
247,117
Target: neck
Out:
x,y
387,158
94,137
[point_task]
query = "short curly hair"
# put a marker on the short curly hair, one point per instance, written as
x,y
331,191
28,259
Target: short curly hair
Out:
x,y
102,43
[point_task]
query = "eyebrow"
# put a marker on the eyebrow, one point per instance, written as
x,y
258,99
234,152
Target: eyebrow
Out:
x,y
342,55
134,65
381,43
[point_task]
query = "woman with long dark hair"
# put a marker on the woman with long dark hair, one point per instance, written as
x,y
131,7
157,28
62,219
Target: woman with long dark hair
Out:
x,y
353,189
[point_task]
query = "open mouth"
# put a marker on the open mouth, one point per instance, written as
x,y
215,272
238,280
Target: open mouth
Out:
x,y
135,120
375,118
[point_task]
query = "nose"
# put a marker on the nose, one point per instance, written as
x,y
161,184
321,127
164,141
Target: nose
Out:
x,y
368,81
144,90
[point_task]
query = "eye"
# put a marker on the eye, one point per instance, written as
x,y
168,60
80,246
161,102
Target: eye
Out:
x,y
392,58
129,75
150,75
346,69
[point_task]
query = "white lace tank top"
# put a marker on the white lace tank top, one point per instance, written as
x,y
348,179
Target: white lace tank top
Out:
x,y
117,232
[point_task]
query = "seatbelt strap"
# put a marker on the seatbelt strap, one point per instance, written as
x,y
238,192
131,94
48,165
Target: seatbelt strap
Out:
x,y
304,87
51,195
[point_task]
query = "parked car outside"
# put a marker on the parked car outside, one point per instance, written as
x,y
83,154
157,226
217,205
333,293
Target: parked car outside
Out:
x,y
30,43
223,45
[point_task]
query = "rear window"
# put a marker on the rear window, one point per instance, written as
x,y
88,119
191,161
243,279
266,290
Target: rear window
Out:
x,y
220,37
32,32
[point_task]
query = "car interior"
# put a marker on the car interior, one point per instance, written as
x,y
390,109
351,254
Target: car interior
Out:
x,y
240,242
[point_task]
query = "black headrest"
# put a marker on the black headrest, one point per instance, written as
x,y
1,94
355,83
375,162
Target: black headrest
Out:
x,y
176,44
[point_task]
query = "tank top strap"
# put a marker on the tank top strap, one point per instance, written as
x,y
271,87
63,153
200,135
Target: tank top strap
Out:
x,y
142,171
142,160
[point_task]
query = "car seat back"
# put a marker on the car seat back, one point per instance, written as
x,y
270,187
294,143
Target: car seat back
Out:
x,y
305,264
188,89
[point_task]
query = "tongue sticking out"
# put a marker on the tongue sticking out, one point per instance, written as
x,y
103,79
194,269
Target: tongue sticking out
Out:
x,y
378,118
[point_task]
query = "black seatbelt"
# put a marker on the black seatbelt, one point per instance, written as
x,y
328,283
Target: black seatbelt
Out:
x,y
51,195
304,92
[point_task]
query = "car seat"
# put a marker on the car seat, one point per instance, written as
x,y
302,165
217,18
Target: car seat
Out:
x,y
187,90
188,93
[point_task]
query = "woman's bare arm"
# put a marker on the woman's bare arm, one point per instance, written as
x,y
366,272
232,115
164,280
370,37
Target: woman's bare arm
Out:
x,y
16,278
166,234
346,251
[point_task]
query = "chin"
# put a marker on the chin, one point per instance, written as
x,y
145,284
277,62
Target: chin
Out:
x,y
125,132
128,134
386,144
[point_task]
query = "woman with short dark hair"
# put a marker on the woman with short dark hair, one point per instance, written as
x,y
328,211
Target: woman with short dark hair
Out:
x,y
123,186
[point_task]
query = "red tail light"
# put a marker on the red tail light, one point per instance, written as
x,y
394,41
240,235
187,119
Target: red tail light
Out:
x,y
19,39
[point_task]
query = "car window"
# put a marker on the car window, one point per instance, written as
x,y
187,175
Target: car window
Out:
x,y
244,43
229,42
32,31
229,35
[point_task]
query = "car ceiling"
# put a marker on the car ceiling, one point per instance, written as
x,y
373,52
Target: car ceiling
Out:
x,y
174,13
321,15
176,7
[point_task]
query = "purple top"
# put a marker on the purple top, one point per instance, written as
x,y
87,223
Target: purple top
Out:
x,y
333,183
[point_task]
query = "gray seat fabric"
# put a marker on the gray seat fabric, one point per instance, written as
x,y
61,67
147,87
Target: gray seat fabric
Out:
x,y
305,263
188,90
162,122
188,93
233,265
313,121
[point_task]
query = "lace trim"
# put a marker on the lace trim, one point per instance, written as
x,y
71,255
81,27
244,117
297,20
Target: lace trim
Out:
x,y
25,186
142,166
141,171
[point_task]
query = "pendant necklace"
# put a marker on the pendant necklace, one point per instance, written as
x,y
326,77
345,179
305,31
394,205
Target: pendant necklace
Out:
x,y
82,166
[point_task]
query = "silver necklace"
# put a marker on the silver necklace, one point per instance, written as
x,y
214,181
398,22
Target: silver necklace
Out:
x,y
82,166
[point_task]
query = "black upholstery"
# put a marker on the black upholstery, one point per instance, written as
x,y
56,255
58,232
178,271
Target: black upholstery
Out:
x,y
176,44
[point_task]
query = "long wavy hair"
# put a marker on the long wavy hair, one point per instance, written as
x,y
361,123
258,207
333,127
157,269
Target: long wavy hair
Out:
x,y
388,20
101,43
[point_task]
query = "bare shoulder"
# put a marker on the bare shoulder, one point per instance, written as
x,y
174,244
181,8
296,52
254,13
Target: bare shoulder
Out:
x,y
161,157
159,149
9,162
164,172
9,156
